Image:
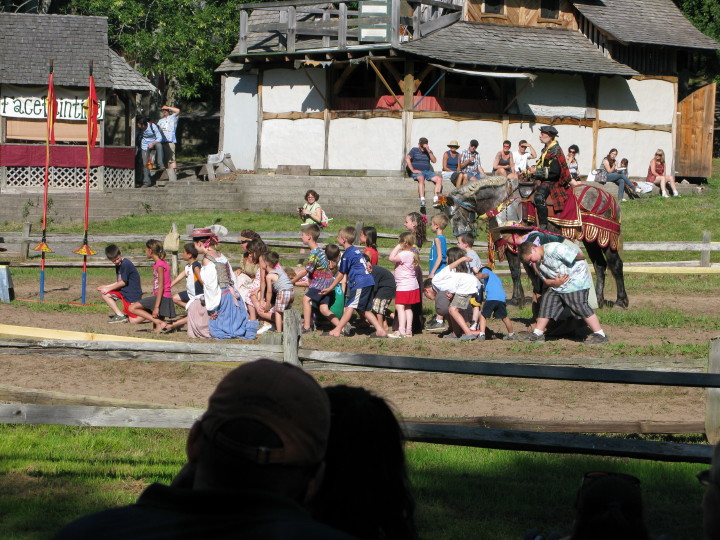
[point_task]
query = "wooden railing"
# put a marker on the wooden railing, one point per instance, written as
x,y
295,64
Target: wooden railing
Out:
x,y
345,26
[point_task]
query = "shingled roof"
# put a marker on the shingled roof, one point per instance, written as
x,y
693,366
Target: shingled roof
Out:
x,y
650,22
28,42
515,47
126,78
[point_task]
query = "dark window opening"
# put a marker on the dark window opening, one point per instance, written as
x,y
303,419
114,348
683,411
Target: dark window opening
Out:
x,y
496,7
549,9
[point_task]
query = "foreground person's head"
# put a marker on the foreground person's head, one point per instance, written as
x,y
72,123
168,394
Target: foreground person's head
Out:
x,y
366,491
609,505
266,428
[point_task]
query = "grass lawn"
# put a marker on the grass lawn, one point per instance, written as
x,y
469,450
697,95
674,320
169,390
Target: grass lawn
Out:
x,y
51,474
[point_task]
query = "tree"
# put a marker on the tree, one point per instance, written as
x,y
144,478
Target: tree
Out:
x,y
705,15
180,42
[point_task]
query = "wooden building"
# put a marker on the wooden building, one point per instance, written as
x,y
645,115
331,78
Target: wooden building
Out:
x,y
27,45
320,85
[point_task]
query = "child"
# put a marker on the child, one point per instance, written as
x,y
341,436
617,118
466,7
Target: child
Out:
x,y
383,292
193,281
318,270
126,287
459,287
438,259
337,302
415,223
407,290
360,285
368,236
160,306
466,242
277,282
559,266
495,303
622,169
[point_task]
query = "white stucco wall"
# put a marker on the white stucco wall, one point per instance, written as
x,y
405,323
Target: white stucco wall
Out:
x,y
552,95
440,131
292,142
240,119
643,101
288,90
637,146
365,144
567,135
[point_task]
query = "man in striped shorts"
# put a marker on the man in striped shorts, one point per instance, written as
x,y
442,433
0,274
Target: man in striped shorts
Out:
x,y
568,281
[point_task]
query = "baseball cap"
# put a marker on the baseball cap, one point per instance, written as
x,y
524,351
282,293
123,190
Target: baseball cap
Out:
x,y
280,396
474,143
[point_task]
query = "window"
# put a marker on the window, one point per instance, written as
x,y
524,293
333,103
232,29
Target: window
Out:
x,y
495,7
549,9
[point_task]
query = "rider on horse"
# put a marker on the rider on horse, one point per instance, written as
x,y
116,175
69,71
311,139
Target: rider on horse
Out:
x,y
554,176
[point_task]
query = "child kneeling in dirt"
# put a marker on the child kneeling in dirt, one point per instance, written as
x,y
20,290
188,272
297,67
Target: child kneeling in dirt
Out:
x,y
126,288
568,280
495,303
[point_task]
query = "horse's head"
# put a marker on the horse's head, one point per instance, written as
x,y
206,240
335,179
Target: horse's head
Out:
x,y
460,213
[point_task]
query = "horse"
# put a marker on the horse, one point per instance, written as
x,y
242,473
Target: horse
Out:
x,y
494,197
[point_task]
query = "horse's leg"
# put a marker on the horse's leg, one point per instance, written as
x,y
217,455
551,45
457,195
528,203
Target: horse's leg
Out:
x,y
600,264
518,296
616,267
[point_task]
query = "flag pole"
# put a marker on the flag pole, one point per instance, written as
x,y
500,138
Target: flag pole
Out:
x,y
51,112
91,110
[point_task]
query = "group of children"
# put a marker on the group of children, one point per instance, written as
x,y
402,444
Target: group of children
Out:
x,y
343,278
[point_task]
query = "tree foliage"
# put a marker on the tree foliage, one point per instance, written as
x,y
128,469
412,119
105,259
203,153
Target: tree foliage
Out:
x,y
705,15
180,41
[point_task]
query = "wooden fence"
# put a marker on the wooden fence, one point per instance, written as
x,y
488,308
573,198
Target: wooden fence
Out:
x,y
53,408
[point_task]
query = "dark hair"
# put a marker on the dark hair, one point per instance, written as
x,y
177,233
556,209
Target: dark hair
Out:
x,y
609,507
156,247
455,253
112,251
423,140
574,147
507,142
420,236
256,248
249,234
522,141
370,237
427,283
190,250
271,257
332,252
468,238
313,193
474,142
141,120
366,491
525,249
610,152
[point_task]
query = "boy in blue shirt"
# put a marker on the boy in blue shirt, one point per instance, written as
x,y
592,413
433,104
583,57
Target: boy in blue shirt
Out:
x,y
495,303
360,284
126,288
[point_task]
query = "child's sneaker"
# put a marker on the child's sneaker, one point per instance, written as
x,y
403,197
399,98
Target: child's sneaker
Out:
x,y
435,325
264,328
468,337
597,339
532,336
422,201
511,337
395,335
118,319
480,337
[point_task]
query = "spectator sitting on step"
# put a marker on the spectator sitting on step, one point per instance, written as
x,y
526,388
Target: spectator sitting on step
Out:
x,y
610,165
470,162
311,212
419,160
451,165
504,164
657,174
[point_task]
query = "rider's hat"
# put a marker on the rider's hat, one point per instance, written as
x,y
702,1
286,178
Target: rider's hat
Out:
x,y
549,130
512,227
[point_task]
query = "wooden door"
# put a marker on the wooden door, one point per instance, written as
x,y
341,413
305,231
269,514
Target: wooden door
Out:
x,y
694,144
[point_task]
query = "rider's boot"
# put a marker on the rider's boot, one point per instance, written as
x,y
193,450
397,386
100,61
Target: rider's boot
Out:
x,y
542,214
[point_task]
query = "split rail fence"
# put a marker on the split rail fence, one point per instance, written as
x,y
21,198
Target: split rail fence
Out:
x,y
41,407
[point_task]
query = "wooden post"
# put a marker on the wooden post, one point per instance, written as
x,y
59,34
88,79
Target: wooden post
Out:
x,y
174,253
705,255
712,412
25,243
258,161
416,22
243,31
342,27
291,28
326,39
395,23
291,336
189,229
358,227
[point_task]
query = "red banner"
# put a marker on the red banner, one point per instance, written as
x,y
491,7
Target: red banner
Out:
x,y
29,155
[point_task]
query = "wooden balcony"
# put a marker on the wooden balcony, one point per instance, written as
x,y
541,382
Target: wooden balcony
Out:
x,y
309,25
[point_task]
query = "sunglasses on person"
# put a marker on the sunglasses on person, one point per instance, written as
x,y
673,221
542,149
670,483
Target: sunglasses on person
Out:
x,y
524,147
658,155
571,151
591,476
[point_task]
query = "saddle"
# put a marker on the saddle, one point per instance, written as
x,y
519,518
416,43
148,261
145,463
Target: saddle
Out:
x,y
527,192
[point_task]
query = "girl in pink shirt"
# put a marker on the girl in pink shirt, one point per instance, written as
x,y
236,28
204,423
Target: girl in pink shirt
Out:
x,y
159,306
407,291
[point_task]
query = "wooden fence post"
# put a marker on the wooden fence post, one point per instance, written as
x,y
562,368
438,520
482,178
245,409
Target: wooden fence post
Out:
x,y
25,243
291,336
189,229
705,255
358,229
712,412
174,253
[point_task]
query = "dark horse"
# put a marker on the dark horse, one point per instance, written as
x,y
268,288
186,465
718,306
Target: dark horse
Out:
x,y
480,197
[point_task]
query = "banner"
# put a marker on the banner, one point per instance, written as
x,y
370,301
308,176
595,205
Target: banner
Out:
x,y
30,102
